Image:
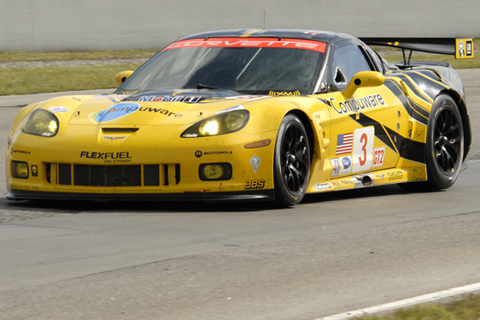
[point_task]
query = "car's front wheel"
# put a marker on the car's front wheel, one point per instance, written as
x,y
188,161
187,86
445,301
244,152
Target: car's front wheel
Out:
x,y
292,162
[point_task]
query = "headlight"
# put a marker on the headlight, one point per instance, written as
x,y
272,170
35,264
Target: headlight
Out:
x,y
222,123
41,123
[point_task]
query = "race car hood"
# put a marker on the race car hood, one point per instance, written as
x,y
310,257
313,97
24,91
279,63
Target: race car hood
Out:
x,y
153,108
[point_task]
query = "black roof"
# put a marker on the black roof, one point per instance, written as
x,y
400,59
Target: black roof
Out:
x,y
324,36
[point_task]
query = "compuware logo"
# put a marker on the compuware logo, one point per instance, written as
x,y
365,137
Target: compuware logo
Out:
x,y
115,112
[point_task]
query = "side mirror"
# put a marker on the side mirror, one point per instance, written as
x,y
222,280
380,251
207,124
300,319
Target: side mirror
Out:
x,y
122,76
363,79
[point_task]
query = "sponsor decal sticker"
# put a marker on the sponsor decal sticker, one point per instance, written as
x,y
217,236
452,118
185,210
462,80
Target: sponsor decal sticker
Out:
x,y
322,186
58,109
341,166
284,93
363,149
105,155
34,170
357,105
395,175
199,153
250,42
254,184
335,167
255,162
345,165
20,151
187,99
342,183
115,112
378,157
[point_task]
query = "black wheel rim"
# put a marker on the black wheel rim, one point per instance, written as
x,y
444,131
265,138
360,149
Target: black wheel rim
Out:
x,y
294,159
447,141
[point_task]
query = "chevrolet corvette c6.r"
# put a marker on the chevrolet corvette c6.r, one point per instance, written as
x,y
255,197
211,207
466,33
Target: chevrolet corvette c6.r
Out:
x,y
250,115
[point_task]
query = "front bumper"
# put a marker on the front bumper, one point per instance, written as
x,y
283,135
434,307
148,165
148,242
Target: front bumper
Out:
x,y
140,168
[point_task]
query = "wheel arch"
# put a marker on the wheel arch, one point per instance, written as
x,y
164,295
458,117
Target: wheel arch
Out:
x,y
462,107
308,127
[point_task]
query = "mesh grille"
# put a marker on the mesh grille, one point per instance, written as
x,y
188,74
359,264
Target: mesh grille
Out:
x,y
107,176
151,175
118,176
64,174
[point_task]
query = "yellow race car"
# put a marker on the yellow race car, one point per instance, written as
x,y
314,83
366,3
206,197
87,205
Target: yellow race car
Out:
x,y
250,115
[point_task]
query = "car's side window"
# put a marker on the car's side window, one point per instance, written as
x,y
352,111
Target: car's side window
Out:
x,y
374,57
348,59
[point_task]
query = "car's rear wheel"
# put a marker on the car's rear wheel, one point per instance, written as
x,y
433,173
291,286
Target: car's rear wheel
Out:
x,y
444,146
292,162
445,143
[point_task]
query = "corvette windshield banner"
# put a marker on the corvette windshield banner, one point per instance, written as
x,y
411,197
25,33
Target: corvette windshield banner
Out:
x,y
250,42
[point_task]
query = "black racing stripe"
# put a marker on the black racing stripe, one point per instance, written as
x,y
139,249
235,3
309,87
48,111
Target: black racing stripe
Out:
x,y
428,77
419,113
429,81
412,85
392,86
415,111
407,148
427,74
380,131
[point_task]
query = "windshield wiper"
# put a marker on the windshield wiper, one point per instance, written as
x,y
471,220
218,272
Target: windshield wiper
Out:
x,y
202,86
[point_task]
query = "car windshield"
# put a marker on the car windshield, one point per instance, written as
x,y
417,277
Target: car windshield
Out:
x,y
261,66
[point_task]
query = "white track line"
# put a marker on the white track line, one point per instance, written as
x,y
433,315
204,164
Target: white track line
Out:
x,y
404,303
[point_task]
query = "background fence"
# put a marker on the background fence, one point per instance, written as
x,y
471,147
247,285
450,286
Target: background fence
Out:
x,y
58,25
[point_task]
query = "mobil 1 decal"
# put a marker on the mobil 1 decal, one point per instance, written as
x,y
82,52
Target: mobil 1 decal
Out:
x,y
362,154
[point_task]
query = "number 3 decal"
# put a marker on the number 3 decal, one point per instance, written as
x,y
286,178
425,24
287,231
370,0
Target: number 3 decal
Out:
x,y
363,149
363,142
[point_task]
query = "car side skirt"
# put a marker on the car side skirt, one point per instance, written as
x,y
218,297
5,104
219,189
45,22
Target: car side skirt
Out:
x,y
405,174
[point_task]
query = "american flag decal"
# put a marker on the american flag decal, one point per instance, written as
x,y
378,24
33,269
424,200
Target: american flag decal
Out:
x,y
344,143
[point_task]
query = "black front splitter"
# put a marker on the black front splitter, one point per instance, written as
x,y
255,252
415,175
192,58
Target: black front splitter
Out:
x,y
257,195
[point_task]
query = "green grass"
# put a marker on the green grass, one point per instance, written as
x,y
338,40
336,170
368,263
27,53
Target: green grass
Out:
x,y
58,79
467,308
6,56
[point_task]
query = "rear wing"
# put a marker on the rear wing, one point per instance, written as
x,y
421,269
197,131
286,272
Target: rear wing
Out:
x,y
461,48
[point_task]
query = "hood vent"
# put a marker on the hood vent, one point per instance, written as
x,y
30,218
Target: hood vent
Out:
x,y
119,130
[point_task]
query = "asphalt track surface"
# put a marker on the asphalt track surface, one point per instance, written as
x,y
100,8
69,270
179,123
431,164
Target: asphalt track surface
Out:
x,y
333,253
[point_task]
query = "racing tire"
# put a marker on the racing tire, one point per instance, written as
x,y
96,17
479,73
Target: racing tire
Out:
x,y
445,143
444,147
291,162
